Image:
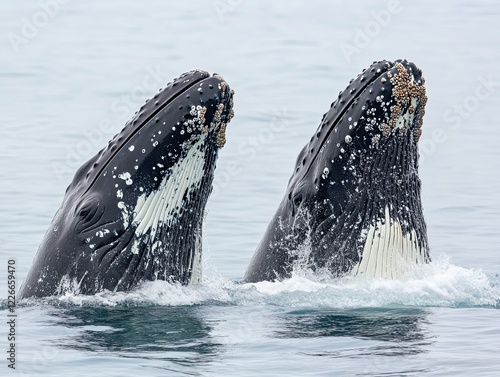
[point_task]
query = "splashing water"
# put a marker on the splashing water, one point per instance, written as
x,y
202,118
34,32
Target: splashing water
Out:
x,y
438,284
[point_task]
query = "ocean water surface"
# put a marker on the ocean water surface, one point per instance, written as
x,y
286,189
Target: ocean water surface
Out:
x,y
73,72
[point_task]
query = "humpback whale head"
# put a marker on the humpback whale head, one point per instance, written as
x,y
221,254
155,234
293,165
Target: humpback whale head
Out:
x,y
134,212
353,202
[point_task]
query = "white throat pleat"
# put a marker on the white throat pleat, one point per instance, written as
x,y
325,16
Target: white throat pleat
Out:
x,y
387,251
196,262
161,206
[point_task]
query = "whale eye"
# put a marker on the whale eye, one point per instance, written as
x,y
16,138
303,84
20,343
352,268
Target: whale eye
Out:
x,y
88,214
295,200
84,212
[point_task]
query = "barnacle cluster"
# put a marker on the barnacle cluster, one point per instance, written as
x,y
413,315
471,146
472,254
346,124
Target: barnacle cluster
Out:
x,y
219,118
404,89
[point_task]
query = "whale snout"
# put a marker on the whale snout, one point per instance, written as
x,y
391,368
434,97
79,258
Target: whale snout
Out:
x,y
387,99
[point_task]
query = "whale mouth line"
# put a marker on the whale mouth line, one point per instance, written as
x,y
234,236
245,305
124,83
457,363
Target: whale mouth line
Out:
x,y
341,114
146,120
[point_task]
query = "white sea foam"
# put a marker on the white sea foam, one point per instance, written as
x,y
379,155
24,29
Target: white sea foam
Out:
x,y
438,284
